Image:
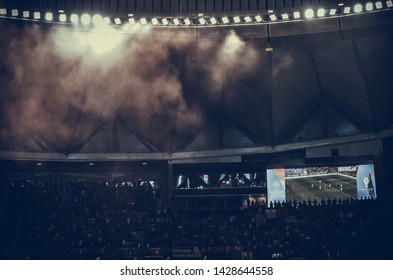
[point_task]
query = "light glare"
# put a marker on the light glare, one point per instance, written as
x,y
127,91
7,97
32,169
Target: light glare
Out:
x,y
321,12
309,13
85,19
369,6
63,18
358,8
48,16
74,18
97,20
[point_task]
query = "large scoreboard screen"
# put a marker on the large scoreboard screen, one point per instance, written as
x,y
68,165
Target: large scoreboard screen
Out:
x,y
317,183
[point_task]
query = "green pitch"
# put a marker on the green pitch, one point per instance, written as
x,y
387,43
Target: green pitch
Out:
x,y
319,187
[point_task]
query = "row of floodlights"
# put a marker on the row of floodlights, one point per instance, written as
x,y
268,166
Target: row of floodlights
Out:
x,y
87,19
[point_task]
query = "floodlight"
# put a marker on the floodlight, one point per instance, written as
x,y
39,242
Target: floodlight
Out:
x,y
332,12
85,19
97,20
358,8
258,18
143,21
347,10
273,17
117,21
389,4
3,12
107,20
296,15
202,21
26,14
225,20
369,6
285,16
154,21
74,18
187,21
309,13
236,19
62,18
176,21
37,15
49,16
131,21
321,12
165,21
14,13
213,21
247,19
378,5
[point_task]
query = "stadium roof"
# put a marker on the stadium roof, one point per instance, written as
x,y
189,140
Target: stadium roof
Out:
x,y
165,92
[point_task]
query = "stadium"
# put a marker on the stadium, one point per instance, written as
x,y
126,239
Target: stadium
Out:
x,y
196,129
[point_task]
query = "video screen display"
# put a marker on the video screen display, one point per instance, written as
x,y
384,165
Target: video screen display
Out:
x,y
317,183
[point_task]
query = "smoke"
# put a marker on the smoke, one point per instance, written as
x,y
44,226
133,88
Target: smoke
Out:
x,y
281,63
63,80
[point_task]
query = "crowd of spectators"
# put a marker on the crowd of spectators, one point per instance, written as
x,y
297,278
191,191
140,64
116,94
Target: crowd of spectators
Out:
x,y
123,220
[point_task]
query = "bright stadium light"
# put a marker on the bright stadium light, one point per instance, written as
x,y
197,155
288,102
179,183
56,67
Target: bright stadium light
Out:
x,y
358,8
273,17
154,21
248,19
37,15
258,18
49,16
225,20
296,15
143,21
309,13
236,19
202,21
3,12
389,4
369,6
117,21
107,20
347,10
62,18
187,21
74,18
285,16
332,12
213,20
85,19
97,20
131,21
321,12
378,5
14,13
165,21
176,21
26,14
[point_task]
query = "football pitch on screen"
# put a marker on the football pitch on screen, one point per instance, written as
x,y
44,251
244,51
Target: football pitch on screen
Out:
x,y
321,187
